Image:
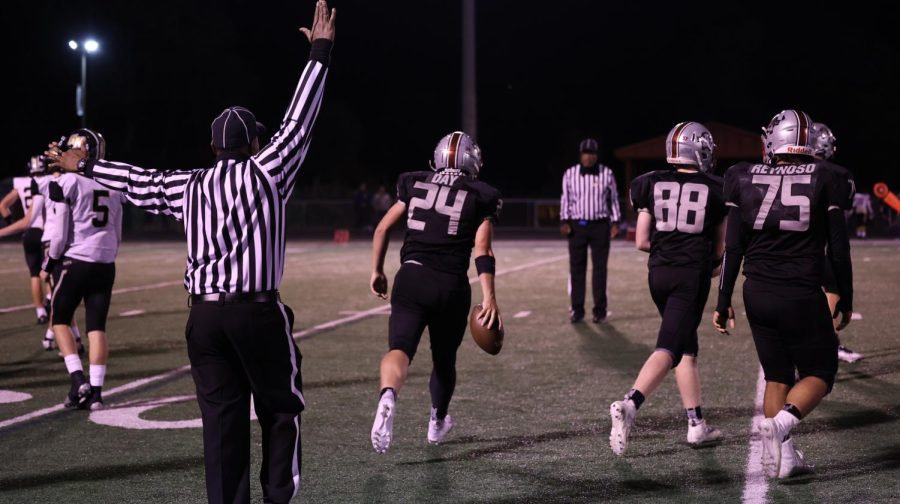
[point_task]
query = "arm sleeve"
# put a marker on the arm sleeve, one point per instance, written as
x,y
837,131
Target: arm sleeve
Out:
x,y
735,245
155,191
282,157
615,214
839,255
564,213
403,189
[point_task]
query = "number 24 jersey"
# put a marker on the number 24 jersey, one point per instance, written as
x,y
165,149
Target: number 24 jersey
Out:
x,y
444,210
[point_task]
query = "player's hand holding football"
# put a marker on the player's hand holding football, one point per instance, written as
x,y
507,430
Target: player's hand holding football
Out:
x,y
490,314
379,284
722,322
323,23
67,160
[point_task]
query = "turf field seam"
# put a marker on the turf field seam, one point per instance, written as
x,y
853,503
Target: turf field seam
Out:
x,y
755,483
304,334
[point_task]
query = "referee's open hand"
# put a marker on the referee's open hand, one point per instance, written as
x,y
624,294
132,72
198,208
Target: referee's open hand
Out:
x,y
323,23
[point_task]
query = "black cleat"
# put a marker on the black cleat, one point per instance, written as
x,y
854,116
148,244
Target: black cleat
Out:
x,y
94,401
598,319
42,319
576,318
78,392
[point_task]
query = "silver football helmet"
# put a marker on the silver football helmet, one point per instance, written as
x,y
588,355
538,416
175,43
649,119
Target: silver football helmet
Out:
x,y
89,140
822,141
458,151
787,133
690,143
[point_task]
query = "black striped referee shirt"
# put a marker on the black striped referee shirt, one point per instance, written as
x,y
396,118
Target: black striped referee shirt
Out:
x,y
591,195
233,212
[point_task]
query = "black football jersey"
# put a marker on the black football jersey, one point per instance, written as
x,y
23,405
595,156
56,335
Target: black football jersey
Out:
x,y
784,212
687,209
444,210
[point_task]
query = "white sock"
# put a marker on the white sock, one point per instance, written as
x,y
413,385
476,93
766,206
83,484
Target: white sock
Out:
x,y
98,373
75,331
41,312
73,363
49,335
786,422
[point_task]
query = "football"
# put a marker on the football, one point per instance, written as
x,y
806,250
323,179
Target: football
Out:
x,y
488,339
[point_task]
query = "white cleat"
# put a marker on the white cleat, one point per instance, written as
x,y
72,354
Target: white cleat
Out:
x,y
792,461
622,414
437,429
701,433
383,427
847,355
771,437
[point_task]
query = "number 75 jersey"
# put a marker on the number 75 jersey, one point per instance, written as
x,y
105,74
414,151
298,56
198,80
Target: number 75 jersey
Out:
x,y
784,211
93,222
687,209
444,210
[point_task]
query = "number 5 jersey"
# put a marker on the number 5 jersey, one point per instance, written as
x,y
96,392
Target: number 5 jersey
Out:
x,y
89,217
444,210
687,209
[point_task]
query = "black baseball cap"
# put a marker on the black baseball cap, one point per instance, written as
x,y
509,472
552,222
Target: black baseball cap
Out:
x,y
234,128
589,145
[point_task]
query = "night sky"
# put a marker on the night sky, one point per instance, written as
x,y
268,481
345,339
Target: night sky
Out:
x,y
548,75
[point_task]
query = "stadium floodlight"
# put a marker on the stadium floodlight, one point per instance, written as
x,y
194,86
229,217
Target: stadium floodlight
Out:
x,y
91,45
73,45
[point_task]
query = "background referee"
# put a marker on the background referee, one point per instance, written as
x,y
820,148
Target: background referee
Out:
x,y
238,332
589,216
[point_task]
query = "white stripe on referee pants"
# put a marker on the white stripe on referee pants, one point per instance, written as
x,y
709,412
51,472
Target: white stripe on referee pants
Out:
x,y
295,467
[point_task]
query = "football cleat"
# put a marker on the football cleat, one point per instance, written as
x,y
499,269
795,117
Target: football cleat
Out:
x,y
383,426
771,437
42,319
94,401
847,355
48,343
437,429
78,392
792,461
701,433
622,414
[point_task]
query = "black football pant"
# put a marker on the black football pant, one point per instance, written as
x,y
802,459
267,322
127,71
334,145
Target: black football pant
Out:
x,y
593,234
425,297
680,296
237,349
82,280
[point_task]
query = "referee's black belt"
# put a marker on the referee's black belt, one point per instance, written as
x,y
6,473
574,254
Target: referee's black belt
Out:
x,y
236,297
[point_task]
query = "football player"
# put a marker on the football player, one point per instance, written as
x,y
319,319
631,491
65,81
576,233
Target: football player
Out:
x,y
822,141
24,190
89,217
41,206
781,217
448,213
680,223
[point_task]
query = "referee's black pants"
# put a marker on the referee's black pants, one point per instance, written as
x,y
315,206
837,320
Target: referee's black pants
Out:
x,y
238,348
596,235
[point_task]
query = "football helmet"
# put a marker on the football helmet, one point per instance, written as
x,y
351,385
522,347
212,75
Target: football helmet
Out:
x,y
822,141
89,140
458,151
690,143
787,133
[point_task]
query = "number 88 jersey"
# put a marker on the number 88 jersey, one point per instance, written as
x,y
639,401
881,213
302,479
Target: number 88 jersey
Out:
x,y
444,210
94,220
687,209
784,211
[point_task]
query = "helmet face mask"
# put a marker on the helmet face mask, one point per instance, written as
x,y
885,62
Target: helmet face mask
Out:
x,y
788,133
87,140
37,166
691,144
458,151
822,141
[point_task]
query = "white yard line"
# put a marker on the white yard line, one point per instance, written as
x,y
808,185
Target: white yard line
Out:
x,y
125,290
304,334
756,485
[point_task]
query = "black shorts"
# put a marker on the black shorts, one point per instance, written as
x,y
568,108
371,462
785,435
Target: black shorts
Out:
x,y
34,250
680,295
423,297
792,331
80,280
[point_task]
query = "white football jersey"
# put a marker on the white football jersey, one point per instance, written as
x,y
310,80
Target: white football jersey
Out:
x,y
23,186
91,218
42,203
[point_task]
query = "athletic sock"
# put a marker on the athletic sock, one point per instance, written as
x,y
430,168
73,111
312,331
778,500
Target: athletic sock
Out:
x,y
785,420
636,397
695,415
388,389
73,363
41,312
49,335
98,374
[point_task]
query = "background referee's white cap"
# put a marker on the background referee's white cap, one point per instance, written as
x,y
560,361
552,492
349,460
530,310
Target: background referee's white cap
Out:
x,y
234,128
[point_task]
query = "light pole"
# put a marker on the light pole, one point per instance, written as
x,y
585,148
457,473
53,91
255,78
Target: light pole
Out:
x,y
89,46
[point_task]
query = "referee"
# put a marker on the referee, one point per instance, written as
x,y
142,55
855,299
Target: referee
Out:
x,y
238,332
589,216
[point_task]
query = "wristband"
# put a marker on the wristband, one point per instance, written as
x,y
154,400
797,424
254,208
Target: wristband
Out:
x,y
485,264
